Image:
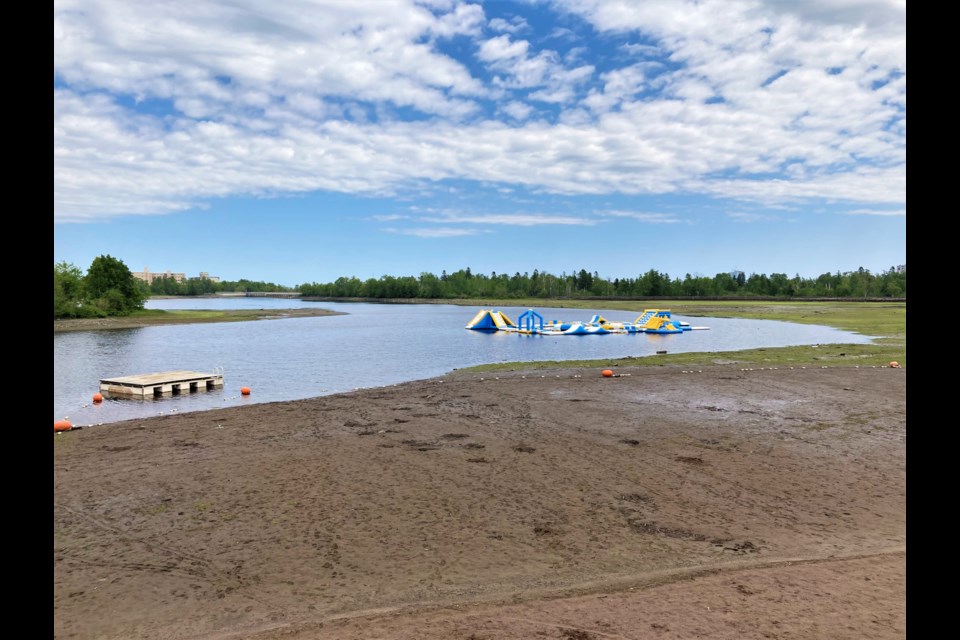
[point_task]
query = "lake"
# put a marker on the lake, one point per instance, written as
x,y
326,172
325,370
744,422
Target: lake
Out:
x,y
374,345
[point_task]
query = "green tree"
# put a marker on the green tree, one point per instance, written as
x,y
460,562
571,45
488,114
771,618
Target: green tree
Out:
x,y
725,283
430,286
653,283
112,287
584,280
68,291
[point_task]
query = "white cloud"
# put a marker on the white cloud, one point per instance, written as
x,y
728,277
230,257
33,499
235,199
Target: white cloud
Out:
x,y
516,24
641,49
390,217
109,162
561,84
244,98
514,219
886,186
465,19
517,110
644,216
873,13
619,85
562,33
216,51
500,48
741,216
878,212
522,70
434,232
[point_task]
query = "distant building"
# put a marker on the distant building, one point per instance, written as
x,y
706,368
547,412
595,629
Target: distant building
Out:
x,y
901,268
147,276
206,276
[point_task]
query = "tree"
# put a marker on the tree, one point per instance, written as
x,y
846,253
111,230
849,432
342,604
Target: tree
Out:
x,y
584,280
112,287
725,283
780,285
68,292
653,283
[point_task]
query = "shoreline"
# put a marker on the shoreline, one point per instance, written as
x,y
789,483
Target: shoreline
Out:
x,y
538,503
174,317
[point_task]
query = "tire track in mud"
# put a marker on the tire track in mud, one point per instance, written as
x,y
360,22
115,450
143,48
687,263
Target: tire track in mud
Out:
x,y
486,607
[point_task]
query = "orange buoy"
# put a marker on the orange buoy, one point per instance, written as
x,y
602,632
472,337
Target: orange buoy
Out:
x,y
245,391
894,365
97,398
607,373
62,425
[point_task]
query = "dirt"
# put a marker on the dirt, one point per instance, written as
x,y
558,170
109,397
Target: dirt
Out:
x,y
549,504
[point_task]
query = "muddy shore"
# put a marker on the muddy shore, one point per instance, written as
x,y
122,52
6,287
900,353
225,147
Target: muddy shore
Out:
x,y
664,503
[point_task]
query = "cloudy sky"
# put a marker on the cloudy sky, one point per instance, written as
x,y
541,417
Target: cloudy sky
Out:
x,y
302,140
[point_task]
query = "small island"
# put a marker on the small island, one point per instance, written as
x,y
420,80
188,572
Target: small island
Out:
x,y
154,317
109,296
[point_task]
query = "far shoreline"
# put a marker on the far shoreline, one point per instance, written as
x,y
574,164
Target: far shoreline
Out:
x,y
884,321
166,317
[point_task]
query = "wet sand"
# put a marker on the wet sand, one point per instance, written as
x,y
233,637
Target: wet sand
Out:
x,y
717,503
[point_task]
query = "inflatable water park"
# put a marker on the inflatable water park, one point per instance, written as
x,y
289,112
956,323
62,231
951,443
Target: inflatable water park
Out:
x,y
655,321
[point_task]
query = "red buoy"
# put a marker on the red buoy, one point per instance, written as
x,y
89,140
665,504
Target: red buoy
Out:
x,y
97,398
62,425
607,373
245,391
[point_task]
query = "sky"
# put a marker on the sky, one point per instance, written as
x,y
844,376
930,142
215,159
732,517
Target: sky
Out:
x,y
300,141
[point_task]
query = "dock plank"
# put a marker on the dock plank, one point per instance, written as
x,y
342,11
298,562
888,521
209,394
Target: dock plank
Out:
x,y
162,377
161,383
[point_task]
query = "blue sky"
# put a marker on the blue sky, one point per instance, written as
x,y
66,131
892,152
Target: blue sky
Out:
x,y
300,141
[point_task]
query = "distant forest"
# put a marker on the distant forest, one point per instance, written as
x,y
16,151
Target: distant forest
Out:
x,y
163,286
583,284
540,284
109,288
465,284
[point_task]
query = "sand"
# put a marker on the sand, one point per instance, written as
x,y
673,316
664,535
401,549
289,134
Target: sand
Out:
x,y
663,503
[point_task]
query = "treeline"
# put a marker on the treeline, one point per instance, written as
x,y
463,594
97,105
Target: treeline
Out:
x,y
163,286
466,284
108,288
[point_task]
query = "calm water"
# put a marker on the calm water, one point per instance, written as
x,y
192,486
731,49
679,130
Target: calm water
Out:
x,y
375,345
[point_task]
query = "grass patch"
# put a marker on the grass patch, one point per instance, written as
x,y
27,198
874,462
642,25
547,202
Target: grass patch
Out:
x,y
202,315
153,317
862,355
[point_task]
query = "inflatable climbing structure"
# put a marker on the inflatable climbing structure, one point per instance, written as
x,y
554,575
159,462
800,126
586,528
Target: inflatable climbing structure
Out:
x,y
655,321
487,320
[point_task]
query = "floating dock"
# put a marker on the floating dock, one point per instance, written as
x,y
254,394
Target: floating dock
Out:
x,y
165,383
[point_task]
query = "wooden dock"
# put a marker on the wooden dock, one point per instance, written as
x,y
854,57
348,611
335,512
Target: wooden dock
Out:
x,y
165,383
